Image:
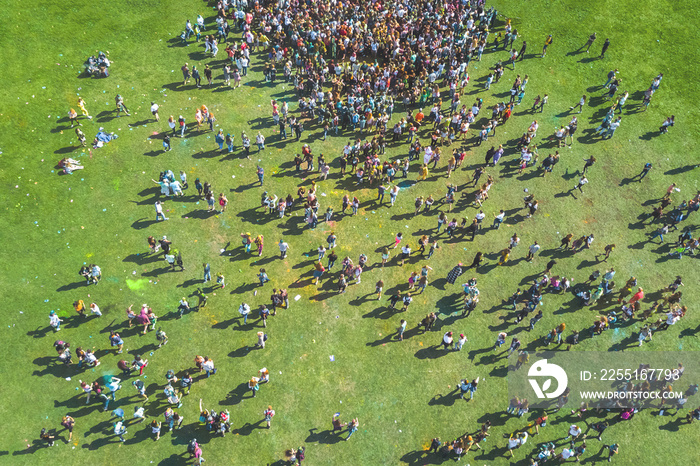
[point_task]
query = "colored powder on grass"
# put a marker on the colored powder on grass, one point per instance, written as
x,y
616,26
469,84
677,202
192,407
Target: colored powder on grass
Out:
x,y
135,285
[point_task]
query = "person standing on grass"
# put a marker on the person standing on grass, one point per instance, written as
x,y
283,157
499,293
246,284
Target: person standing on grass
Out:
x,y
405,254
406,302
447,340
259,241
54,321
522,51
590,41
606,44
73,117
196,76
402,328
268,415
352,427
208,74
260,172
183,126
68,424
207,271
379,287
460,343
547,43
532,250
245,141
185,73
284,247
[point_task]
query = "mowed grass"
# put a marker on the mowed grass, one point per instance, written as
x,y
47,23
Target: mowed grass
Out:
x,y
399,391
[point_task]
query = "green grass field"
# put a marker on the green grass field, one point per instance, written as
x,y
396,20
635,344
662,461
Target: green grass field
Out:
x,y
328,353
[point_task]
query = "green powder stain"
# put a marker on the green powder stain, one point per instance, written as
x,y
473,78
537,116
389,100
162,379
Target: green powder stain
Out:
x,y
135,285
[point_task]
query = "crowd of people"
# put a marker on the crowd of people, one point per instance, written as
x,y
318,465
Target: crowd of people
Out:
x,y
383,79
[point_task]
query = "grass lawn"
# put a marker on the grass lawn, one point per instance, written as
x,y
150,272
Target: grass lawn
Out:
x,y
328,353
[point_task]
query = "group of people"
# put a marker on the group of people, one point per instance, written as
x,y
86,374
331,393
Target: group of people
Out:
x,y
350,78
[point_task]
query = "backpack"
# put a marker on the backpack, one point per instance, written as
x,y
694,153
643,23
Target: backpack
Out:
x,y
265,337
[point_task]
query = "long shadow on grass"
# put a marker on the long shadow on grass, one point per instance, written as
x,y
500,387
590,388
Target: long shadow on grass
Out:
x,y
391,338
445,400
248,428
326,437
432,352
381,312
142,258
143,223
71,286
200,214
237,395
421,457
51,366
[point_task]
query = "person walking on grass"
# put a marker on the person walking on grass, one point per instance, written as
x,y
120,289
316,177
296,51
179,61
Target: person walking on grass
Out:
x,y
611,77
262,277
606,44
613,450
670,121
81,106
581,182
606,252
581,103
589,163
121,107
